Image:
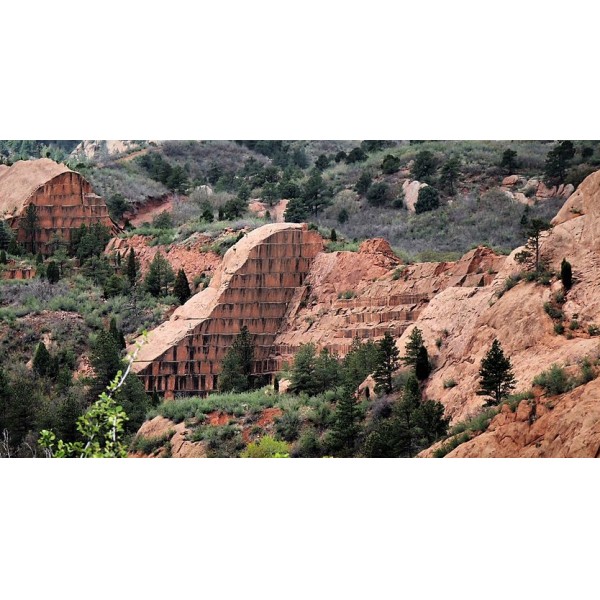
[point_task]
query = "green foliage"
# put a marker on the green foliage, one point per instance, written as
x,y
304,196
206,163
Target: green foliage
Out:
x,y
41,360
6,235
237,364
449,175
555,380
360,361
378,194
132,268
414,424
87,242
159,169
102,428
267,447
163,220
428,199
509,161
534,229
553,312
451,444
160,276
557,162
296,211
566,274
413,347
422,366
390,164
363,183
315,193
496,378
387,363
149,445
593,330
287,426
424,165
31,225
356,155
181,289
314,374
3,259
346,428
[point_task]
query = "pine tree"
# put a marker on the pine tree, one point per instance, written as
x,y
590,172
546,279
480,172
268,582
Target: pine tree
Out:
x,y
387,364
236,370
181,289
333,235
3,259
509,161
116,333
41,360
303,370
132,268
160,276
496,375
345,430
412,348
566,274
449,175
422,367
5,235
52,272
423,165
106,362
31,225
13,247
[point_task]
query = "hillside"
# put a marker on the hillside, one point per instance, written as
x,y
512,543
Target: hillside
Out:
x,y
452,271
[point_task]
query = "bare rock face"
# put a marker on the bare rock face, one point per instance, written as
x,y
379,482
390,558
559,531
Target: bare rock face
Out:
x,y
565,426
411,193
377,246
253,287
277,211
466,321
189,256
512,180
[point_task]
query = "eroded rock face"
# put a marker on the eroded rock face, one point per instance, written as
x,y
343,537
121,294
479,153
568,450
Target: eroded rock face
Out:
x,y
175,434
189,256
254,285
411,193
564,426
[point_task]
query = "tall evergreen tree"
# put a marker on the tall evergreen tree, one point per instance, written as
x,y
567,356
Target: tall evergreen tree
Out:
x,y
106,361
52,272
422,367
41,360
496,375
509,161
31,225
346,428
387,363
181,289
566,274
449,175
116,333
160,276
3,259
303,370
5,235
238,363
132,268
412,348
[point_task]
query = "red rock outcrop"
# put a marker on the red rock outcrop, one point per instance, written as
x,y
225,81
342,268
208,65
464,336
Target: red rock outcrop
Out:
x,y
64,201
191,255
564,426
253,286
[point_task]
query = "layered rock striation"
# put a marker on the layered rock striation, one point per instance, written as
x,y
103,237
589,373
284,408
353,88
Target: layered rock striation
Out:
x,y
253,287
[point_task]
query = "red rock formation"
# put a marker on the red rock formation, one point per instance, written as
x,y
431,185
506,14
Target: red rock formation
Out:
x,y
63,198
252,287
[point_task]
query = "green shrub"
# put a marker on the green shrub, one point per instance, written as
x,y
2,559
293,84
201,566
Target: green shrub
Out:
x,y
553,312
287,426
559,328
587,372
555,380
574,325
593,330
451,444
449,383
398,272
347,295
267,447
147,445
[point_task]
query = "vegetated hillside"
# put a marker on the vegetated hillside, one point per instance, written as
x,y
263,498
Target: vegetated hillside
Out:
x,y
200,208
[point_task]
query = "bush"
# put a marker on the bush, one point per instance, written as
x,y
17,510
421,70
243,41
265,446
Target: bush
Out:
x,y
587,372
559,328
429,199
390,164
555,381
147,445
450,445
553,312
593,330
287,426
266,447
449,383
377,194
